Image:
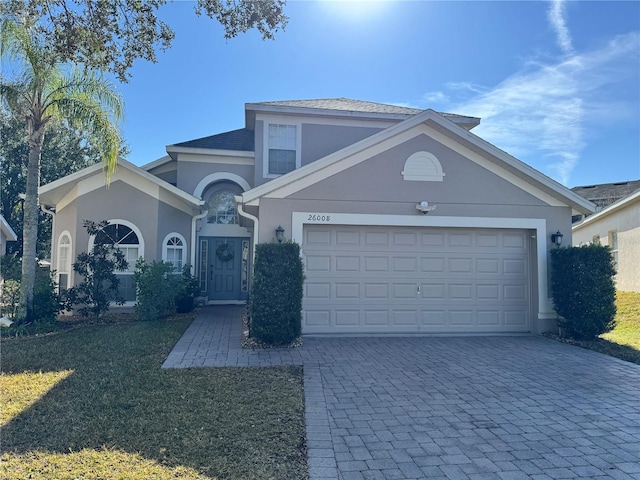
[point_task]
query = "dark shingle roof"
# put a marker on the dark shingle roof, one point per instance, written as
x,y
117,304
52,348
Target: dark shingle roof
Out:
x,y
346,105
241,139
605,194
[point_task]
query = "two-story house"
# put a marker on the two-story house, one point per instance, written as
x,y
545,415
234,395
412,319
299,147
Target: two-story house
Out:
x,y
407,221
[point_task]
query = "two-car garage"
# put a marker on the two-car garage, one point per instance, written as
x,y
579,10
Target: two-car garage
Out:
x,y
400,279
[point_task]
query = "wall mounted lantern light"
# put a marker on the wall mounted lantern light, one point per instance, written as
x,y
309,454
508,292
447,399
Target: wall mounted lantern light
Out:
x,y
280,234
556,238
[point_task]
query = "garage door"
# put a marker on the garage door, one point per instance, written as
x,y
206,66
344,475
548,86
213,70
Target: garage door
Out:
x,y
415,280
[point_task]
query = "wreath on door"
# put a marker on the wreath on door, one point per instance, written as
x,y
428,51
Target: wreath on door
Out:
x,y
224,252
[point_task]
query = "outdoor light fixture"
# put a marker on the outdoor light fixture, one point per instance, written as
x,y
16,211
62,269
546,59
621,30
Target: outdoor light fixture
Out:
x,y
424,207
279,233
556,238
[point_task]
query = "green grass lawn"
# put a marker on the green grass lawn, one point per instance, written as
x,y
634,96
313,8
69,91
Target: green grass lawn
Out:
x,y
93,402
624,340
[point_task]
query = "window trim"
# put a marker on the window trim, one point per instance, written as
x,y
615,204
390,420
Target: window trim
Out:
x,y
165,248
135,230
69,262
265,144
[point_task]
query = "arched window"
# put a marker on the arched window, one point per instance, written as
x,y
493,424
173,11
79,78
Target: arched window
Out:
x,y
64,261
128,239
174,250
222,208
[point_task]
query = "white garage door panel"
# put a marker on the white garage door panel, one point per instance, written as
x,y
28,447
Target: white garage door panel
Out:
x,y
415,280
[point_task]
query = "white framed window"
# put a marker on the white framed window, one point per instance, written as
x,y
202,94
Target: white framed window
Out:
x,y
222,208
174,250
129,241
63,266
282,149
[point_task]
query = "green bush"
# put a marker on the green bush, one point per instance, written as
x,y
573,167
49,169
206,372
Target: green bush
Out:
x,y
186,290
100,283
155,289
276,295
10,267
583,290
46,302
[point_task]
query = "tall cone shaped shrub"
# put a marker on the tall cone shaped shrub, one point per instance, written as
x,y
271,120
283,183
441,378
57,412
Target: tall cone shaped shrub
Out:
x,y
583,290
276,294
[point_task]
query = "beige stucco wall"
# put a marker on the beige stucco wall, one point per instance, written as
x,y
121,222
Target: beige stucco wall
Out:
x,y
626,221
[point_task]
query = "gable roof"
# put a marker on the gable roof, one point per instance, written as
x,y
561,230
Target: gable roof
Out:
x,y
240,140
612,208
52,193
307,175
7,230
605,194
348,107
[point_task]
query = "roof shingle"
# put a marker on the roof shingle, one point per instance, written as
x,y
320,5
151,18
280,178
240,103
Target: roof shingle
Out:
x,y
240,140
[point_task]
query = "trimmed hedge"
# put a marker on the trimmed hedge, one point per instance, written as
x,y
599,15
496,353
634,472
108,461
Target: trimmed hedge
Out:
x,y
276,295
583,290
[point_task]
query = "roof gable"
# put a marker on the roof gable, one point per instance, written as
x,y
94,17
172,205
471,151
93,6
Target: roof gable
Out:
x,y
53,193
440,128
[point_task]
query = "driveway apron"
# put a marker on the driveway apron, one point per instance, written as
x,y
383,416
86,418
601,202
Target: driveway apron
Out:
x,y
485,407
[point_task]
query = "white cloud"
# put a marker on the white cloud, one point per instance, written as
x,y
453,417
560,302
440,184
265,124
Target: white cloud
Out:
x,y
556,16
435,97
545,112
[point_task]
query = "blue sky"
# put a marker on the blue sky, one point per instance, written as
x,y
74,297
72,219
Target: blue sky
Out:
x,y
557,84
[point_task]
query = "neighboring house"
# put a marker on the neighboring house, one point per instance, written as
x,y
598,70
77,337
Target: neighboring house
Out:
x,y
605,194
618,226
6,235
352,183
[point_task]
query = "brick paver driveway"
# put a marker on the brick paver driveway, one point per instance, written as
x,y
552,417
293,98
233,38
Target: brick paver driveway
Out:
x,y
448,407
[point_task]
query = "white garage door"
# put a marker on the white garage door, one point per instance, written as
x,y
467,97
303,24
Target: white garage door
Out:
x,y
415,280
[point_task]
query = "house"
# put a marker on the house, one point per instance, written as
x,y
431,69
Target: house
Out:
x,y
6,235
604,194
616,225
407,221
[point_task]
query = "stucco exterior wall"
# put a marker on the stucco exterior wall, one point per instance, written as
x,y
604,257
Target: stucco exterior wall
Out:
x,y
321,140
153,218
317,141
191,173
625,221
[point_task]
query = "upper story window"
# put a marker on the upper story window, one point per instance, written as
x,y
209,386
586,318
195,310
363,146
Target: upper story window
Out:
x,y
282,149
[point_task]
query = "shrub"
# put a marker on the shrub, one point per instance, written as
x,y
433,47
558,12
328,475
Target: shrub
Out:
x,y
10,298
10,267
100,284
583,290
46,302
186,290
155,289
276,295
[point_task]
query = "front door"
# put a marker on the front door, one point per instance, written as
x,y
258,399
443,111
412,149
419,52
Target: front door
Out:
x,y
225,264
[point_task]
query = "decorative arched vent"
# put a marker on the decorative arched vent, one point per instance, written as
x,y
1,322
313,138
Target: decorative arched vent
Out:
x,y
422,167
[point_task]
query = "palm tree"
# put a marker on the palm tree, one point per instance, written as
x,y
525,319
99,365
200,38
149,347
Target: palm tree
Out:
x,y
43,91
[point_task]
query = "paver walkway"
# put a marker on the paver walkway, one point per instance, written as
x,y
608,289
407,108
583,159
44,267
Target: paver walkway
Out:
x,y
521,407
